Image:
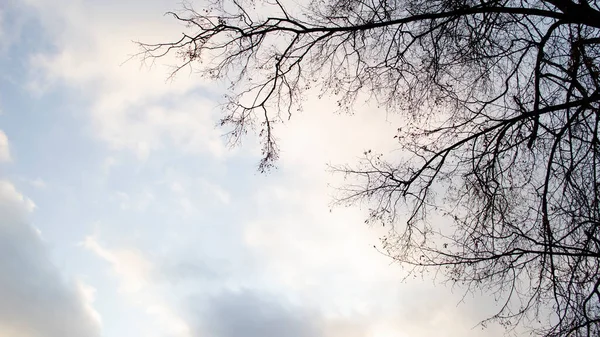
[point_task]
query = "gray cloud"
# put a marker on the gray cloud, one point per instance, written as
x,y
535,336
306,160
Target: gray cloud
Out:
x,y
36,300
247,313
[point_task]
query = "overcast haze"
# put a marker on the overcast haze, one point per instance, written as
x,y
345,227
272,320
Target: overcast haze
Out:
x,y
123,212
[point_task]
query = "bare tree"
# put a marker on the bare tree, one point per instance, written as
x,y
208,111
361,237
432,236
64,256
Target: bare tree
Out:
x,y
501,99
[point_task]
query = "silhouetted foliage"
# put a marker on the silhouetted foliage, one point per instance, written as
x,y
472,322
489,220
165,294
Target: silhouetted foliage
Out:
x,y
502,106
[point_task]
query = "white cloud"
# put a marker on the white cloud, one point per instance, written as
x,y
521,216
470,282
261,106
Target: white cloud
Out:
x,y
133,109
319,136
192,194
88,293
4,148
17,204
37,301
139,201
326,260
149,127
38,182
129,265
133,271
216,191
175,325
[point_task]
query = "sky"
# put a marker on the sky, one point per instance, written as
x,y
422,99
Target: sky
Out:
x,y
124,213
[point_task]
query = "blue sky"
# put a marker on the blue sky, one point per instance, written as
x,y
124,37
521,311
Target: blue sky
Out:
x,y
124,213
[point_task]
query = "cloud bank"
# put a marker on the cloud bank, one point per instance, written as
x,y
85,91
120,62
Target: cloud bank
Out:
x,y
37,300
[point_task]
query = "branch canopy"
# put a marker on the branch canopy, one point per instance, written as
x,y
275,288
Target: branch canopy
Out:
x,y
502,100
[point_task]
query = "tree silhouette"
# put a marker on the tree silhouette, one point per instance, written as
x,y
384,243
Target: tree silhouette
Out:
x,y
502,106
